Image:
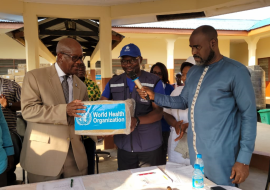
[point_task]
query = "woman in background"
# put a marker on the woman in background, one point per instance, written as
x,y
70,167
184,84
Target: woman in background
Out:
x,y
178,119
161,71
6,150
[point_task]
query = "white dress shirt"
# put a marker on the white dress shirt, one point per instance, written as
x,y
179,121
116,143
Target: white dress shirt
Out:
x,y
61,75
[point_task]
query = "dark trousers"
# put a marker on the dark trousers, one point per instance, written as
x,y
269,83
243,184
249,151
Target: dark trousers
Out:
x,y
165,136
130,160
90,148
11,176
3,179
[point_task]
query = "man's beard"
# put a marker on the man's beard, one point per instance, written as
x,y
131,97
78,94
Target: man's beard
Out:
x,y
207,61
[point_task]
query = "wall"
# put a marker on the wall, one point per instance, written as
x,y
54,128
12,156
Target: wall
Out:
x,y
263,48
10,49
182,49
239,52
154,50
262,51
224,47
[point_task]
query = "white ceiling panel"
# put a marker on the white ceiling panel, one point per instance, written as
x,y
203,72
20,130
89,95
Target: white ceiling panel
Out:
x,y
88,2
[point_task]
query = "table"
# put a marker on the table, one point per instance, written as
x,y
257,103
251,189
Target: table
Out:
x,y
262,149
119,180
262,143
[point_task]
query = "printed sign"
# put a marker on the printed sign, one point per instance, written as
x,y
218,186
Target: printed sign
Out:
x,y
102,117
98,77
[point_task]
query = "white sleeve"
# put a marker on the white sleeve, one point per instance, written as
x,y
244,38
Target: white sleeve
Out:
x,y
185,116
167,110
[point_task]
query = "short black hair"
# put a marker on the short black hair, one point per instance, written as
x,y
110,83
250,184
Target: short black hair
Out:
x,y
185,64
164,71
207,30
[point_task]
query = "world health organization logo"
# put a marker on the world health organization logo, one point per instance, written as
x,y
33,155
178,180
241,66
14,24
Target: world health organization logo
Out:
x,y
127,48
85,119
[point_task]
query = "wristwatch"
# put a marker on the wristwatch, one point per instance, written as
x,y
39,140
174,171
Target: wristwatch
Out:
x,y
9,104
138,121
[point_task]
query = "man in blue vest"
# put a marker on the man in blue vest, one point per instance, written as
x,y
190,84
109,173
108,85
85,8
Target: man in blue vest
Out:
x,y
144,143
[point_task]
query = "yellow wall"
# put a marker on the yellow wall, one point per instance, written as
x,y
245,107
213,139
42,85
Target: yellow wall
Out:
x,y
224,47
10,49
263,48
154,50
239,52
182,49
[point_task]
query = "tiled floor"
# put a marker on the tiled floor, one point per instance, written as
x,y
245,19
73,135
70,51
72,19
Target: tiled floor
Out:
x,y
255,181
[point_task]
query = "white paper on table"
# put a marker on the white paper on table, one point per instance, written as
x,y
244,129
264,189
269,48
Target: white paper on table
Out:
x,y
150,177
179,173
227,187
170,169
62,185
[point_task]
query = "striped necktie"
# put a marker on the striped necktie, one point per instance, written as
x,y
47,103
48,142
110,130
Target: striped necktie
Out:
x,y
65,88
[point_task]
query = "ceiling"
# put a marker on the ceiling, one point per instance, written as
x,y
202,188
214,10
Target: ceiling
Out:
x,y
88,2
51,30
125,12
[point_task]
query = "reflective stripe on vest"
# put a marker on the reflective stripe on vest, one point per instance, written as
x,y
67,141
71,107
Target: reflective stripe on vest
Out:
x,y
116,85
147,84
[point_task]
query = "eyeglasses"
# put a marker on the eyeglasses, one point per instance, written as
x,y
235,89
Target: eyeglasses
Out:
x,y
74,58
157,73
131,61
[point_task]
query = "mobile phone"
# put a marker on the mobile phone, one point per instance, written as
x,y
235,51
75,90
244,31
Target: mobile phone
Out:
x,y
217,188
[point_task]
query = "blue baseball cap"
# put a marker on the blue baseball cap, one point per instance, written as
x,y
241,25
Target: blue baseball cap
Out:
x,y
130,50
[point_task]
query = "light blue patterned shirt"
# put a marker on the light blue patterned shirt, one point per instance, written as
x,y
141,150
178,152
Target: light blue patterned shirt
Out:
x,y
224,115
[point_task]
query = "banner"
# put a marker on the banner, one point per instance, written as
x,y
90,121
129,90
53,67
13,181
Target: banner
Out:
x,y
102,117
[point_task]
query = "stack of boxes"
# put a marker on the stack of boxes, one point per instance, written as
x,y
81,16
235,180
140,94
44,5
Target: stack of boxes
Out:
x,y
16,74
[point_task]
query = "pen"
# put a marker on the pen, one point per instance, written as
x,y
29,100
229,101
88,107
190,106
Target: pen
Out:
x,y
146,173
71,183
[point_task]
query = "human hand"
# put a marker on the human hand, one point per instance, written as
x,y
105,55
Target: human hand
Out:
x,y
177,126
133,124
240,172
144,91
3,101
72,108
183,130
10,162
